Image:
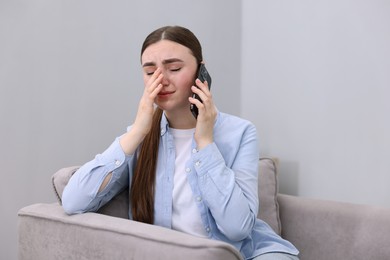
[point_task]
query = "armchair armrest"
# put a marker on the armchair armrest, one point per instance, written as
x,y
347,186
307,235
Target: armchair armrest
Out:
x,y
46,232
323,229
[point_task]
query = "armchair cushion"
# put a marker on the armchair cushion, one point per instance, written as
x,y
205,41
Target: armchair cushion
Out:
x,y
267,187
60,179
268,190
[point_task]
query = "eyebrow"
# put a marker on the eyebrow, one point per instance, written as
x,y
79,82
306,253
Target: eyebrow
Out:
x,y
167,61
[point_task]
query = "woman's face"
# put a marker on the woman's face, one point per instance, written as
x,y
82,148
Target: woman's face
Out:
x,y
178,67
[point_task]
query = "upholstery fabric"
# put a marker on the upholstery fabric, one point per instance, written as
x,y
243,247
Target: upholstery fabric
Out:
x,y
46,233
324,230
268,190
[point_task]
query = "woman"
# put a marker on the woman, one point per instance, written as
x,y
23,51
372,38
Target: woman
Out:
x,y
196,175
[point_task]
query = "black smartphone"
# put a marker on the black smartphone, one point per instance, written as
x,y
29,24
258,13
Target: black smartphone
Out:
x,y
203,75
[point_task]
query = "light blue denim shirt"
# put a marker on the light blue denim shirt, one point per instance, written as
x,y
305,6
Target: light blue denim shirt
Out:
x,y
222,176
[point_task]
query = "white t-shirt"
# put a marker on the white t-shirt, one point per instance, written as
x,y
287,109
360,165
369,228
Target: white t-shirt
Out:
x,y
185,212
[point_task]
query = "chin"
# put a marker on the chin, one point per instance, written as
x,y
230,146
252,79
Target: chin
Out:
x,y
162,106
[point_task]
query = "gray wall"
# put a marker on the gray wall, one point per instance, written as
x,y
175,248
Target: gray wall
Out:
x,y
316,82
70,80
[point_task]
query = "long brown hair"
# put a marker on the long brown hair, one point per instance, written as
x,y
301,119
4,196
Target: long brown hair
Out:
x,y
144,178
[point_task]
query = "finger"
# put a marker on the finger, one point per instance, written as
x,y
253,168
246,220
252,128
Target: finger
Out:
x,y
204,86
157,90
203,96
197,103
151,95
154,84
155,76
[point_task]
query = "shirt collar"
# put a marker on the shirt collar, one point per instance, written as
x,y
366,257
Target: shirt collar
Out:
x,y
164,124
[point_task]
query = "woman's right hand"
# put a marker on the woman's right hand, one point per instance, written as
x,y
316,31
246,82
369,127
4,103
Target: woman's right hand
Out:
x,y
144,118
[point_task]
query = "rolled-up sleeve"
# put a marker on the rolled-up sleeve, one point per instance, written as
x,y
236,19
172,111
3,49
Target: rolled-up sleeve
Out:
x,y
81,193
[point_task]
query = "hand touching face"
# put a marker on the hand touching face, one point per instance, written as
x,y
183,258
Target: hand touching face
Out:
x,y
178,68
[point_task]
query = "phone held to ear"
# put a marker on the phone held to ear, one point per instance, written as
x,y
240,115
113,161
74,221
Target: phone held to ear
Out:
x,y
203,75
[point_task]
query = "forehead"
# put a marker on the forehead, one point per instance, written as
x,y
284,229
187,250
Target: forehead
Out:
x,y
164,50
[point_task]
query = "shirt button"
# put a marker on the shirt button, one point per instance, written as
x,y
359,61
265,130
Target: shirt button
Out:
x,y
194,150
188,170
207,229
117,163
197,163
199,198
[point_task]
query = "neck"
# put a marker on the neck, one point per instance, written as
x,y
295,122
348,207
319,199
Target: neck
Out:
x,y
181,119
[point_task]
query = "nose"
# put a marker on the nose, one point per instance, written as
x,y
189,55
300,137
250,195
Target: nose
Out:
x,y
165,80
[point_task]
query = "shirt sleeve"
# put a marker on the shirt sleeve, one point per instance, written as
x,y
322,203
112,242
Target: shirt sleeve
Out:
x,y
230,192
81,193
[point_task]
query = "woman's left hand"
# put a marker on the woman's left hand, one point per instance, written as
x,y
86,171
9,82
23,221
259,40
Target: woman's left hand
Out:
x,y
207,114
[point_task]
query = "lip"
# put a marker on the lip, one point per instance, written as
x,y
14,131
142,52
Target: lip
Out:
x,y
165,94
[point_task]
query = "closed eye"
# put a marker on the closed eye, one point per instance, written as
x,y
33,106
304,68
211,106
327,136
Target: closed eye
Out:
x,y
150,73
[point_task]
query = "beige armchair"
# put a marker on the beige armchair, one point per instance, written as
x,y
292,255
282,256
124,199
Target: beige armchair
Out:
x,y
319,229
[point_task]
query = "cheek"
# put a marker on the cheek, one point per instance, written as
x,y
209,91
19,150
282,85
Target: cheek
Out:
x,y
185,86
186,81
189,82
145,78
